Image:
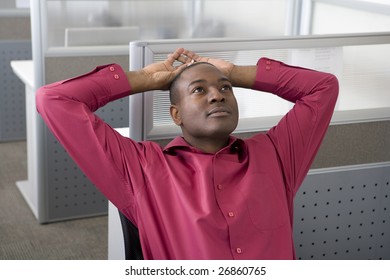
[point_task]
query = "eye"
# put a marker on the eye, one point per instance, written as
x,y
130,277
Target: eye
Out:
x,y
226,88
198,90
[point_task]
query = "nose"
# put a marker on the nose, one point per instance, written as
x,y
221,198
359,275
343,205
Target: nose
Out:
x,y
216,96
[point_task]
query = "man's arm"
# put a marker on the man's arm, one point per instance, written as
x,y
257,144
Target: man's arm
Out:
x,y
68,107
298,135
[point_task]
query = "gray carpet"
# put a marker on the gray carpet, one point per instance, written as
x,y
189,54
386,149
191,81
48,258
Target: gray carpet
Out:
x,y
23,238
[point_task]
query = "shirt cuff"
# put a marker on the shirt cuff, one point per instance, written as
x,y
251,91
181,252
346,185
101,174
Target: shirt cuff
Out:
x,y
117,80
267,75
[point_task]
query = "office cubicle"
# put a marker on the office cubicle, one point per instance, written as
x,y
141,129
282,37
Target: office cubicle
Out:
x,y
56,58
62,50
15,44
342,208
56,189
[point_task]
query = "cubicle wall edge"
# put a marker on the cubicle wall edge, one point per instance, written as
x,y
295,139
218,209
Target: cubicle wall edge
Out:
x,y
351,144
15,44
12,91
65,192
136,102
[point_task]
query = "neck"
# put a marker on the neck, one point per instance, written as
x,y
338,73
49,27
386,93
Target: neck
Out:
x,y
208,145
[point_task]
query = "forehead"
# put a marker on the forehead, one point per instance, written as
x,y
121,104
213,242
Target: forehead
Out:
x,y
201,71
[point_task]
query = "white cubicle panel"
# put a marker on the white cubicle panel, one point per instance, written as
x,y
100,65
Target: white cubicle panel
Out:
x,y
23,69
356,59
100,36
116,243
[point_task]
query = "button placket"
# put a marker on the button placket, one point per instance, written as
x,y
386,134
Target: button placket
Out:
x,y
225,200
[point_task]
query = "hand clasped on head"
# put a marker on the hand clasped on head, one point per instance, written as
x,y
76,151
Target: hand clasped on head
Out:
x,y
191,62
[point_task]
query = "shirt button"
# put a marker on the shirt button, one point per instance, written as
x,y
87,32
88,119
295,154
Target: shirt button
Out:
x,y
231,214
267,68
219,187
268,62
112,68
238,250
116,77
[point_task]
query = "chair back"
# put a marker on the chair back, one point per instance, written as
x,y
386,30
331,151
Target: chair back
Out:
x,y
133,250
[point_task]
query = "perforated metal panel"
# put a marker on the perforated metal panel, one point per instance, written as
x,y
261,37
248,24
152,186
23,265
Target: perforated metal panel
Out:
x,y
12,91
116,113
70,194
344,214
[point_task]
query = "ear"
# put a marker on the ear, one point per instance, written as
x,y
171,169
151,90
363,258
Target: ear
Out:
x,y
175,114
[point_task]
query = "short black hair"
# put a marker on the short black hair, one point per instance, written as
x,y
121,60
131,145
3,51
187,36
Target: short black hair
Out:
x,y
173,92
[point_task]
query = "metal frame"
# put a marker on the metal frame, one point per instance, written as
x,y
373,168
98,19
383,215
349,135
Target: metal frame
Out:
x,y
61,190
143,52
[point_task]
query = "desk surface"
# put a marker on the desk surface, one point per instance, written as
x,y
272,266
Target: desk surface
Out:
x,y
124,131
24,69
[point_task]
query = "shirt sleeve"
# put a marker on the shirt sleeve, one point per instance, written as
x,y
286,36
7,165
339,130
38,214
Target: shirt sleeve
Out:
x,y
299,133
68,106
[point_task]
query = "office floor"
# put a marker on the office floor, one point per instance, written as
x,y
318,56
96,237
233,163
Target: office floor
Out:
x,y
23,238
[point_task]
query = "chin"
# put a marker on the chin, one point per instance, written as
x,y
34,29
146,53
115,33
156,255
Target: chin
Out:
x,y
222,132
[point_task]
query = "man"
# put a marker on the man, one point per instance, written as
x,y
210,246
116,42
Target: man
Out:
x,y
207,194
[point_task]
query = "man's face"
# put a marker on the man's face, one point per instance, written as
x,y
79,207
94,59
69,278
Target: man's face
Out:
x,y
206,105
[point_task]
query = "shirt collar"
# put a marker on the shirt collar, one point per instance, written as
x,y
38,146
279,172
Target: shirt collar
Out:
x,y
236,145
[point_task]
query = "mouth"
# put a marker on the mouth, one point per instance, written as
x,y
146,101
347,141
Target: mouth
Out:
x,y
218,112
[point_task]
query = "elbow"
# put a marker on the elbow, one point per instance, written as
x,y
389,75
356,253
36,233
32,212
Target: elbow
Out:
x,y
45,97
41,98
334,82
333,86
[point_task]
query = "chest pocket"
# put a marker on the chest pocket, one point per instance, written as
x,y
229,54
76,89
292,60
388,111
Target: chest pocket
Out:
x,y
266,202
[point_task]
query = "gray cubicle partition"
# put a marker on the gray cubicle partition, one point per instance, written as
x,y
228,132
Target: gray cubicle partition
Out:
x,y
59,187
67,192
15,44
344,213
12,91
342,208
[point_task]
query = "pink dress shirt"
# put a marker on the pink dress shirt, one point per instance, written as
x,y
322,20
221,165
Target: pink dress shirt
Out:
x,y
187,204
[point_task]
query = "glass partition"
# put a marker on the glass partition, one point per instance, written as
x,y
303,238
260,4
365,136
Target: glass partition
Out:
x,y
344,16
87,22
12,5
357,60
8,4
